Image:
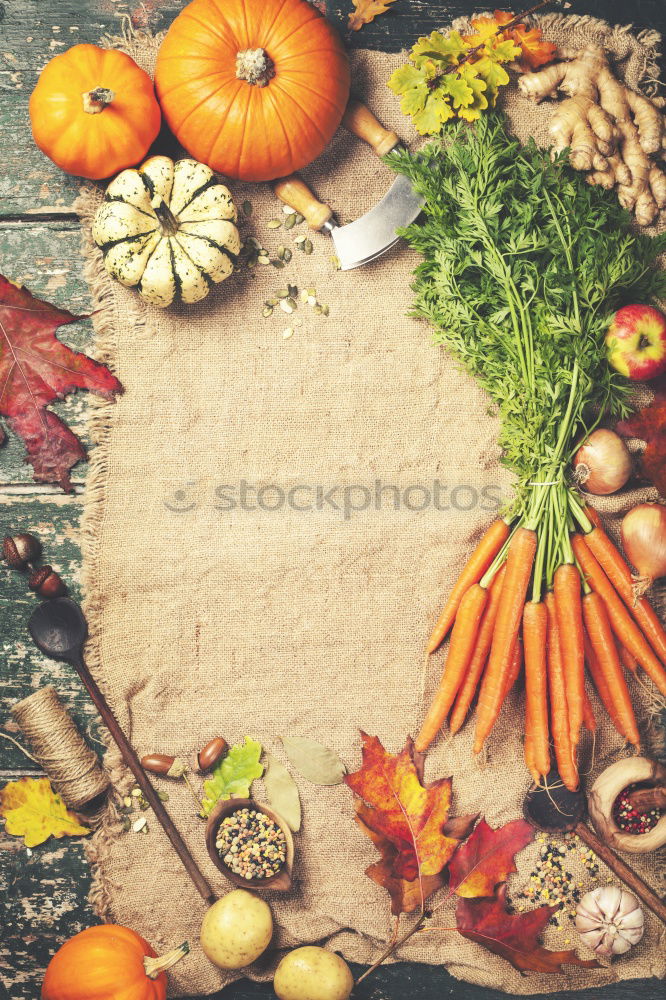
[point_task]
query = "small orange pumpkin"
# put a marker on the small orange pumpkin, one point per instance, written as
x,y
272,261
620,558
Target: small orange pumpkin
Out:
x,y
94,111
253,88
108,962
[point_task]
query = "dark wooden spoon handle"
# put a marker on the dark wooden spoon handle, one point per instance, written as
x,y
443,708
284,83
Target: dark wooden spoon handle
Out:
x,y
623,871
132,761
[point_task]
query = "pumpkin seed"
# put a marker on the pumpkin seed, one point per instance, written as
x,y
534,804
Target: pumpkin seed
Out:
x,y
290,222
136,793
299,239
318,310
312,300
163,797
304,296
287,254
274,223
325,310
283,293
307,247
263,258
127,802
277,263
299,218
313,292
291,301
267,311
247,208
289,332
288,210
139,824
286,306
271,302
281,252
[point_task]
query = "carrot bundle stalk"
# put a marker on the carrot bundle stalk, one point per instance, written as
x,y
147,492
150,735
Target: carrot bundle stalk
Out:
x,y
484,638
600,632
477,564
623,625
535,637
520,560
461,649
567,590
559,713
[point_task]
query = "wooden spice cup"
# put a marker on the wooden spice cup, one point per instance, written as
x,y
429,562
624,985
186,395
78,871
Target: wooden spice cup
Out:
x,y
281,881
605,790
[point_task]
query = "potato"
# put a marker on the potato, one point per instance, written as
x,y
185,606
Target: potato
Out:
x,y
236,929
312,973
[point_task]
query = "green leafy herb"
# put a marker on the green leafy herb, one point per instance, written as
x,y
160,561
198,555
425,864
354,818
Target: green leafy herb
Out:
x,y
524,264
233,775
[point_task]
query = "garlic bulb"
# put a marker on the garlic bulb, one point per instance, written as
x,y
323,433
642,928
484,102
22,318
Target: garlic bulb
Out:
x,y
609,920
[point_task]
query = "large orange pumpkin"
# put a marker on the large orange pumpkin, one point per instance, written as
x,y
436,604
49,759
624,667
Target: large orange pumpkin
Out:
x,y
253,88
108,962
94,111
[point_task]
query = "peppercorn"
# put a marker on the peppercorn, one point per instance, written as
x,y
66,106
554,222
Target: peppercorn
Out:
x,y
631,819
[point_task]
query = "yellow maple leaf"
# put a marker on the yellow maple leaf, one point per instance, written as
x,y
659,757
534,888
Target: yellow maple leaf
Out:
x,y
32,810
366,11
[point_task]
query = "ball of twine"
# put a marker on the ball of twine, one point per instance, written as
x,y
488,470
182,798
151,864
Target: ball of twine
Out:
x,y
69,762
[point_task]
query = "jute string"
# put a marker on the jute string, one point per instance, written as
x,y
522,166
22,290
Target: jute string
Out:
x,y
59,748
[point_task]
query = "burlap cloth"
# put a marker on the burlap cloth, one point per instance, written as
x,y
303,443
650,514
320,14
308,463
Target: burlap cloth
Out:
x,y
209,621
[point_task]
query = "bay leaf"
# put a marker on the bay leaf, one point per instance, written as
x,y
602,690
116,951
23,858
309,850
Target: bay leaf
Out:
x,y
315,762
282,792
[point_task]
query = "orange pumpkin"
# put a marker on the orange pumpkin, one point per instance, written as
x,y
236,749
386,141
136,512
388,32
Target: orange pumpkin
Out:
x,y
94,111
253,88
108,962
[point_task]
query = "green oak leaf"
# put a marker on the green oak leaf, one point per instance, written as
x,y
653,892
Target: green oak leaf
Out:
x,y
436,112
404,78
233,775
504,51
494,75
458,89
443,48
472,111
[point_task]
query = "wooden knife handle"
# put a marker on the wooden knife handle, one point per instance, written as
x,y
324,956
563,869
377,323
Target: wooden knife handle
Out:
x,y
622,870
361,121
295,193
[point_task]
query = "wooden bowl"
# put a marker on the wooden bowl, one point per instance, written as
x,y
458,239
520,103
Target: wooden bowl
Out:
x,y
281,881
603,794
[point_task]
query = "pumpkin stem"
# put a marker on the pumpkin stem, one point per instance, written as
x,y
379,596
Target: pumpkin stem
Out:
x,y
156,966
255,66
168,220
96,100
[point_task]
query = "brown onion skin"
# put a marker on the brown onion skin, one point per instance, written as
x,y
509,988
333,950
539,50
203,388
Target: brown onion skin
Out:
x,y
644,541
602,464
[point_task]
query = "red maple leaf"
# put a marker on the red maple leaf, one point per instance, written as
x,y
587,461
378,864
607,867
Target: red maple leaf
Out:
x,y
649,424
36,369
513,936
486,859
400,808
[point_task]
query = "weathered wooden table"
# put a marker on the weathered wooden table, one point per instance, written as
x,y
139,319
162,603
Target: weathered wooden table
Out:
x,y
43,891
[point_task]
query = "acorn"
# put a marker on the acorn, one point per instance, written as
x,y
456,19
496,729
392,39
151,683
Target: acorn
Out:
x,y
20,550
46,582
210,755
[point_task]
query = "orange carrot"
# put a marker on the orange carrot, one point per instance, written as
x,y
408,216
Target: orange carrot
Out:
x,y
594,516
589,721
467,689
627,659
529,753
623,625
559,713
601,685
619,574
522,549
535,637
461,648
477,564
570,621
600,632
515,667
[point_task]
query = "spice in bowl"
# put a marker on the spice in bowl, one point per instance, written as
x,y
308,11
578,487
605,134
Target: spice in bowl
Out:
x,y
251,844
629,817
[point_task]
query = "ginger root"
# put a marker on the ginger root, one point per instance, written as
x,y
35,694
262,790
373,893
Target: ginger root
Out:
x,y
614,134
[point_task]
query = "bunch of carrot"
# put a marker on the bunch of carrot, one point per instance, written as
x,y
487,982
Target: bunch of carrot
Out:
x,y
581,613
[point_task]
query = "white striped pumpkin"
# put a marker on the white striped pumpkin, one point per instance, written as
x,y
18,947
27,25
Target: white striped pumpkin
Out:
x,y
167,229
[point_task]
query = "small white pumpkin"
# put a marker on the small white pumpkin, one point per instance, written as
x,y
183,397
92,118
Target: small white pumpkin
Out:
x,y
167,229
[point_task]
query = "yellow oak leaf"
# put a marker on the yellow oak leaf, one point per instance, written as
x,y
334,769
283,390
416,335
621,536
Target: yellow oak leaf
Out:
x,y
32,810
366,11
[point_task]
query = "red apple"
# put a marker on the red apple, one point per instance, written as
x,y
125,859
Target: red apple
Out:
x,y
636,342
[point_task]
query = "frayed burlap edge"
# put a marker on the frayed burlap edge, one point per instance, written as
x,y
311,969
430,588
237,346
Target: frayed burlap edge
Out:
x,y
135,42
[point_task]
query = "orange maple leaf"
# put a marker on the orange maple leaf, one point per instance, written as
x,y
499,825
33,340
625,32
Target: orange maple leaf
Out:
x,y
366,11
488,858
404,811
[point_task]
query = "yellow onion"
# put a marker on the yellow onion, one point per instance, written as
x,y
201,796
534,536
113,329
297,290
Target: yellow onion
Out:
x,y
644,541
602,464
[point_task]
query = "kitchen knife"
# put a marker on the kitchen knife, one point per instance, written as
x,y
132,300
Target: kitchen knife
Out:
x,y
374,233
